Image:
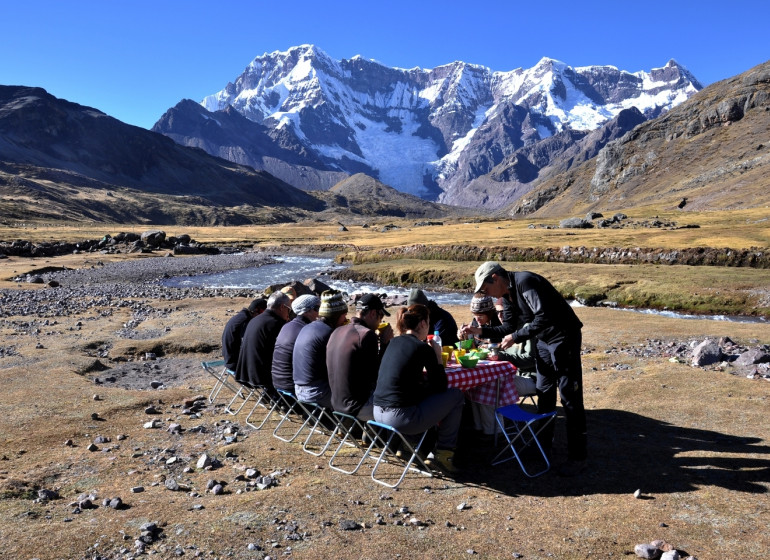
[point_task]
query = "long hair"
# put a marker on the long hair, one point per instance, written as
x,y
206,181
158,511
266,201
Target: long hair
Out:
x,y
409,317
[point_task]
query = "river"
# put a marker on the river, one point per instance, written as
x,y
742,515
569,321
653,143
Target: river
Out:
x,y
293,267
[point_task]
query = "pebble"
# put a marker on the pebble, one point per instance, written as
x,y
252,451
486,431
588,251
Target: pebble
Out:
x,y
463,506
349,525
116,503
638,494
151,410
69,443
172,484
92,447
137,489
647,551
152,424
203,461
174,428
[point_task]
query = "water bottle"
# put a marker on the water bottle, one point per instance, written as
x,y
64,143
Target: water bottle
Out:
x,y
437,339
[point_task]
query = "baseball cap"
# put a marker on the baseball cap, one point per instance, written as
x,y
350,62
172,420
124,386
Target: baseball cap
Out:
x,y
485,271
371,301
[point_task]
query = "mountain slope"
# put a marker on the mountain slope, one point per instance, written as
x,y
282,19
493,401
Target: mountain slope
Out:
x,y
54,150
713,150
425,132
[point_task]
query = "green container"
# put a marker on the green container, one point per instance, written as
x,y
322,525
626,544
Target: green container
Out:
x,y
464,344
468,361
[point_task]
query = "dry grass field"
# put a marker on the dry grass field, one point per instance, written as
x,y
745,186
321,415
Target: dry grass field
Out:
x,y
696,442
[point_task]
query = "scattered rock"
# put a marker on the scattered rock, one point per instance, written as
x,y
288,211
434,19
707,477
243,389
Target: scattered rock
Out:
x,y
348,525
647,551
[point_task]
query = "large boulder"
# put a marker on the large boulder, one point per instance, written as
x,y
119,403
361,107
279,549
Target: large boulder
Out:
x,y
706,353
753,356
575,223
154,238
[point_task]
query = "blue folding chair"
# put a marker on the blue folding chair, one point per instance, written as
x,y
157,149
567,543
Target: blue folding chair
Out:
x,y
520,434
349,428
319,423
293,412
223,377
387,437
266,401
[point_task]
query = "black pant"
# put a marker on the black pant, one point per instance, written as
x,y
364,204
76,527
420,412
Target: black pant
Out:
x,y
558,365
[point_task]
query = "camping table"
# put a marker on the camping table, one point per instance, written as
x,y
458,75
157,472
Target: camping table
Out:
x,y
477,382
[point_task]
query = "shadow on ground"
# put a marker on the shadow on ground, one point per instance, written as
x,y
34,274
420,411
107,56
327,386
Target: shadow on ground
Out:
x,y
628,451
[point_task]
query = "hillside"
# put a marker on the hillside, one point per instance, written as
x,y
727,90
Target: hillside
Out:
x,y
712,150
61,160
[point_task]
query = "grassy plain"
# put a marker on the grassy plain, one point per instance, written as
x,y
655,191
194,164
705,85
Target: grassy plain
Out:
x,y
694,441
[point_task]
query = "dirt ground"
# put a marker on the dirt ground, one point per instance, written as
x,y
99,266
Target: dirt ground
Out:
x,y
693,441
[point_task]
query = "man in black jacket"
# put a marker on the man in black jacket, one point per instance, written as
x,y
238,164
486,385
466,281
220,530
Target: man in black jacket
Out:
x,y
234,329
533,302
255,361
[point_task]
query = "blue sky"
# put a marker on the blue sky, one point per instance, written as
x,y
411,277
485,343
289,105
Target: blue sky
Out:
x,y
135,59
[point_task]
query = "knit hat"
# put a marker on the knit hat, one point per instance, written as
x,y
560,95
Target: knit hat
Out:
x,y
485,271
332,304
305,303
482,304
417,296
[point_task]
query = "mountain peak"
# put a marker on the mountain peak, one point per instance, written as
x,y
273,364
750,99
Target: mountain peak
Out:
x,y
416,130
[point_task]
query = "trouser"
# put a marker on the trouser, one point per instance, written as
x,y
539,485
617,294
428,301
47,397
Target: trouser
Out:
x,y
558,365
444,409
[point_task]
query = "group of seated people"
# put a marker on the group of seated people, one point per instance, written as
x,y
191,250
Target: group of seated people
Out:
x,y
307,346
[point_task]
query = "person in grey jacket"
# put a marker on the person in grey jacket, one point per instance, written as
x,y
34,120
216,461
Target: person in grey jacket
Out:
x,y
545,316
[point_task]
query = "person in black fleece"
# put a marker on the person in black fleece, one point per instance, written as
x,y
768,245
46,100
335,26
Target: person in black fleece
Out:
x,y
255,361
544,315
234,329
411,401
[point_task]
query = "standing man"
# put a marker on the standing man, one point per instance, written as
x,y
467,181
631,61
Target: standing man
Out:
x,y
255,361
234,329
548,318
353,358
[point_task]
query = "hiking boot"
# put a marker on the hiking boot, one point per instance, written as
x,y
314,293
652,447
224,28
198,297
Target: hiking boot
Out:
x,y
571,468
444,460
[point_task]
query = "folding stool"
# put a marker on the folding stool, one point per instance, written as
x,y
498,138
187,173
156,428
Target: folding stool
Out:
x,y
317,415
246,391
267,402
223,378
520,432
346,424
291,406
387,443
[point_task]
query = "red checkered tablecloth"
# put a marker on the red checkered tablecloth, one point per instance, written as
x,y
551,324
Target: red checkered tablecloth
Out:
x,y
480,384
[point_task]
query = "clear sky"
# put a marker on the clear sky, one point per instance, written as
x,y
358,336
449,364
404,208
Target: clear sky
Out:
x,y
134,59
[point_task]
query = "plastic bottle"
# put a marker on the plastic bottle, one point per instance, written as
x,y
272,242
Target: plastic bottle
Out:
x,y
437,338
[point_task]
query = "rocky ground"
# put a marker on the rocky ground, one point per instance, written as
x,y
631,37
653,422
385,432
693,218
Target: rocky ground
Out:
x,y
138,462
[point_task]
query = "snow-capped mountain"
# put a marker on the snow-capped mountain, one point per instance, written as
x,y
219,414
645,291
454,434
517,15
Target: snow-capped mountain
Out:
x,y
428,132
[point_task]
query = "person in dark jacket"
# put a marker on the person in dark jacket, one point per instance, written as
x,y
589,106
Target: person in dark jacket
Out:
x,y
544,315
411,401
255,360
441,320
234,329
311,379
353,358
306,309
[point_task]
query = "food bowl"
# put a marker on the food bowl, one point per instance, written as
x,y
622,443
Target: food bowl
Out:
x,y
468,361
464,344
481,354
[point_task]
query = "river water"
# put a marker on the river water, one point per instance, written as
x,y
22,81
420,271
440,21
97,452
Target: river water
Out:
x,y
292,267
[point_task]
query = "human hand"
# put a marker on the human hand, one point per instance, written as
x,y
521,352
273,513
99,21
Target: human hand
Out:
x,y
465,330
507,341
386,334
